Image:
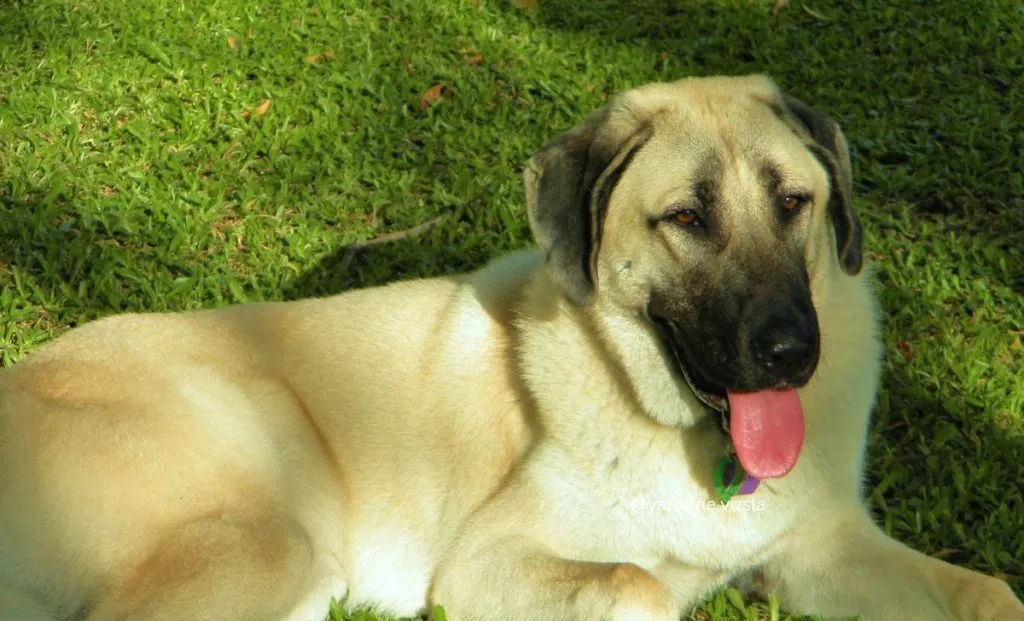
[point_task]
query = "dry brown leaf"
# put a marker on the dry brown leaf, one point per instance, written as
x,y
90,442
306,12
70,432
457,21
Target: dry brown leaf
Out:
x,y
434,93
528,5
327,54
261,109
233,42
905,348
258,111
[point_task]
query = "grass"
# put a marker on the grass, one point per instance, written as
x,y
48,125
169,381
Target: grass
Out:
x,y
169,156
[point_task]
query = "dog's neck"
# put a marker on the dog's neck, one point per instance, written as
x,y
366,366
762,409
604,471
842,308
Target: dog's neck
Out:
x,y
632,344
627,375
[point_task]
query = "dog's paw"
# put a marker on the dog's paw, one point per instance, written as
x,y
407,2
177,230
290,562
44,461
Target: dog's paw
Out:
x,y
639,596
984,598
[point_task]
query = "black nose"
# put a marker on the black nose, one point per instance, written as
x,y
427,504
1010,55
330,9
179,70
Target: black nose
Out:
x,y
789,352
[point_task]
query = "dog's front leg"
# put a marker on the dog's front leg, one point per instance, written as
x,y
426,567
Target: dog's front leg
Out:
x,y
515,578
850,567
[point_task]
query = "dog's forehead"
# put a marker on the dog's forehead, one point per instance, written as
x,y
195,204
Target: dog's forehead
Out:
x,y
731,139
716,98
726,121
733,136
695,88
734,117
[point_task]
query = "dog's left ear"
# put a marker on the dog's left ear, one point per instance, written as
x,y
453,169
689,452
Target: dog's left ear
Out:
x,y
834,152
568,185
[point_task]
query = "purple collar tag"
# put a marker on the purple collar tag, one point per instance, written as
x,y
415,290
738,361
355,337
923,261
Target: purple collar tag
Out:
x,y
730,480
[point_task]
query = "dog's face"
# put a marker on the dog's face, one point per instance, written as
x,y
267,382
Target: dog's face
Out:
x,y
704,208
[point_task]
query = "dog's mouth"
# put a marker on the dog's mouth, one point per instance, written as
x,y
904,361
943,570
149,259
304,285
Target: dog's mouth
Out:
x,y
766,426
707,392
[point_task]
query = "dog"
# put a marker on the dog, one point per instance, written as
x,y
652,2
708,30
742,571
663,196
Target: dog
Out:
x,y
670,393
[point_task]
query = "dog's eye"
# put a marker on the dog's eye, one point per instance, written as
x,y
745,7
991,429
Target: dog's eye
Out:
x,y
791,203
687,217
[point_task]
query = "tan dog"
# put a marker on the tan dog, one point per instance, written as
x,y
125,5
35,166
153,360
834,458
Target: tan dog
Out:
x,y
537,440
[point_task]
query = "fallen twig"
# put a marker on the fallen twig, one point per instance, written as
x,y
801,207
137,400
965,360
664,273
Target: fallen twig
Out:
x,y
353,249
814,14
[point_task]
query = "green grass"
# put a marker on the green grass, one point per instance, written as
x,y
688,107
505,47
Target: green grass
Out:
x,y
137,174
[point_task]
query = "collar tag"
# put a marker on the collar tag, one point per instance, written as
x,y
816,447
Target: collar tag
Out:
x,y
730,480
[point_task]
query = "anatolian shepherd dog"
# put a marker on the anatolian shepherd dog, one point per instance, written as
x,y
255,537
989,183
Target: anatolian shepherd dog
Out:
x,y
549,438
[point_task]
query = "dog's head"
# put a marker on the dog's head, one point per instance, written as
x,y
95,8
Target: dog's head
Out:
x,y
704,208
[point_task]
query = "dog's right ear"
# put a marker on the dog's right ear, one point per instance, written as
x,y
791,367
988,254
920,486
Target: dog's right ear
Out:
x,y
568,185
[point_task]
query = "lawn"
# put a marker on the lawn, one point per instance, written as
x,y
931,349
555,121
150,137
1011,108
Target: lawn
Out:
x,y
161,155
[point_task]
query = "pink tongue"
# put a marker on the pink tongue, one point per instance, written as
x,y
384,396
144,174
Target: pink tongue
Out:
x,y
767,429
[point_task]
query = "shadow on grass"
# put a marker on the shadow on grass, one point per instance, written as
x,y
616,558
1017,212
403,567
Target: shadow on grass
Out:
x,y
941,471
923,89
61,275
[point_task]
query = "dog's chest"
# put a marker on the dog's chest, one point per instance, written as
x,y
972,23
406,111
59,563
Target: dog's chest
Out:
x,y
688,523
651,510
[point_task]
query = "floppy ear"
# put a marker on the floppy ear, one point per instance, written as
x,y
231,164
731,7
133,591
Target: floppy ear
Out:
x,y
568,184
834,153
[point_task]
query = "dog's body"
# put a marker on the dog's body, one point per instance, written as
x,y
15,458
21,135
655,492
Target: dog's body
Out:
x,y
517,443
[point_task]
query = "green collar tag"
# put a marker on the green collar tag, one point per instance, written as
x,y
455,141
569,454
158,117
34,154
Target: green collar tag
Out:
x,y
729,479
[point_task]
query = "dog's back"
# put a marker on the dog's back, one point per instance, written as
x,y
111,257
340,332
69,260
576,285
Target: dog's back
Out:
x,y
139,448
